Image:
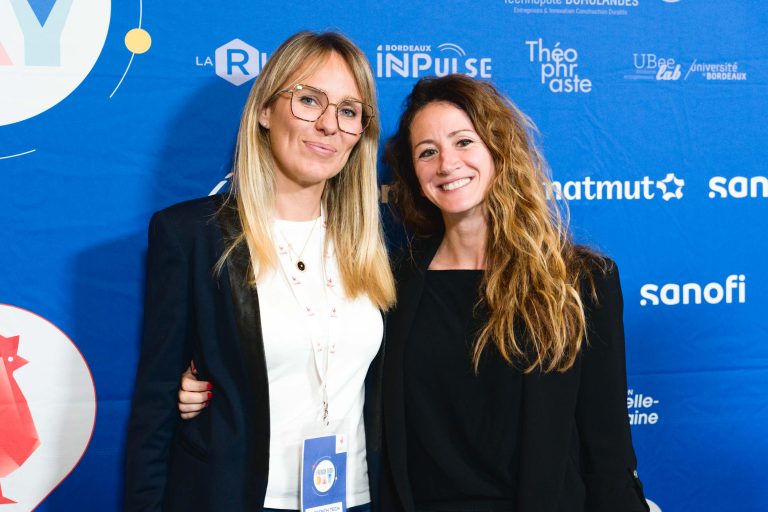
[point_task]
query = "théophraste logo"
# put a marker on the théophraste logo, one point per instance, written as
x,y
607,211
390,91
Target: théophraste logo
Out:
x,y
49,408
588,189
47,48
732,291
417,60
559,67
237,62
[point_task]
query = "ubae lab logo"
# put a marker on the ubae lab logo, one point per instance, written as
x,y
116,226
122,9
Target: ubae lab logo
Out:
x,y
416,60
733,290
47,48
48,408
237,62
574,7
587,189
559,67
660,68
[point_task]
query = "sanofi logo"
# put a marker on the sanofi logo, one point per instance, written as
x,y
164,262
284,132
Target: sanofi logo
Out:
x,y
47,48
672,294
738,187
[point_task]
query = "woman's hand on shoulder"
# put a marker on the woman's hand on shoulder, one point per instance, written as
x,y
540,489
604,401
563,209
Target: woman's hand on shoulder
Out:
x,y
194,394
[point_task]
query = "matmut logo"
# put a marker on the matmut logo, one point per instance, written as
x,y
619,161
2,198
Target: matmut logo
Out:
x,y
47,48
587,189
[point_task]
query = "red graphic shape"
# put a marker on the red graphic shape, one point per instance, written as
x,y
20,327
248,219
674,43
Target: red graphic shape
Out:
x,y
18,435
5,60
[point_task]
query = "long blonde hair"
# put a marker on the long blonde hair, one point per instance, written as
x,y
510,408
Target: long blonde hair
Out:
x,y
350,198
534,272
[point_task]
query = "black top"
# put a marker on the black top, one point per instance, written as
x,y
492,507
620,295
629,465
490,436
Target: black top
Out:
x,y
462,427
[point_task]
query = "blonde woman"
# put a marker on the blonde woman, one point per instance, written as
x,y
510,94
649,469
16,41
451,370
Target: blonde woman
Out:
x,y
276,292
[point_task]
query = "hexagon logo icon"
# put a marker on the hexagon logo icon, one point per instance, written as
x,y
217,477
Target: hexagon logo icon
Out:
x,y
238,62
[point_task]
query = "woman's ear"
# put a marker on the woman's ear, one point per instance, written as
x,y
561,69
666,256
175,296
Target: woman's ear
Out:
x,y
264,117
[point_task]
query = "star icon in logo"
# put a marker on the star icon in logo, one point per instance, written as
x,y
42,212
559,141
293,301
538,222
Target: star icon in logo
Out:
x,y
666,189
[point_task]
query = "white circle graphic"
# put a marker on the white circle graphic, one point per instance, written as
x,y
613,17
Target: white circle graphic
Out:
x,y
46,51
654,507
50,403
325,476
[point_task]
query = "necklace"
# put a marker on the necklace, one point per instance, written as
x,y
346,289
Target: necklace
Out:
x,y
299,262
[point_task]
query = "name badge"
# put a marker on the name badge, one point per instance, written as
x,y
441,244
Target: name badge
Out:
x,y
324,474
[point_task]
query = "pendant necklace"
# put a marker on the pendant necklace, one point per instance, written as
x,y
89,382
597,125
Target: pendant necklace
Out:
x,y
299,262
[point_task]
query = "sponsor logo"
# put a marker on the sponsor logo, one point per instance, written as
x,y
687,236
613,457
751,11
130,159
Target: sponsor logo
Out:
x,y
654,67
47,48
717,71
739,187
673,294
587,189
641,408
649,66
324,476
49,407
237,62
559,67
574,7
222,186
416,60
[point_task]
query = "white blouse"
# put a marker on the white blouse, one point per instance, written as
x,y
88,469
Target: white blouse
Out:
x,y
297,344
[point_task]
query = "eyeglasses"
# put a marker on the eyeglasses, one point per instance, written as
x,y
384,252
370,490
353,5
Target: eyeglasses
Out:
x,y
309,104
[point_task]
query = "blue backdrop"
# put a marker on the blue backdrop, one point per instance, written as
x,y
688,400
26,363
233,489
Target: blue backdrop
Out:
x,y
652,117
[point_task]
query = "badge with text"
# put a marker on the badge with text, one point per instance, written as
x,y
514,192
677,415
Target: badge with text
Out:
x,y
324,474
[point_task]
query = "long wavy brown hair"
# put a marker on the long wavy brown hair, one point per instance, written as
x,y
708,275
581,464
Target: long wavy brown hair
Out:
x,y
533,271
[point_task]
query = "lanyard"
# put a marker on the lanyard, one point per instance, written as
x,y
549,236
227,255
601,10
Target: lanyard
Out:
x,y
322,350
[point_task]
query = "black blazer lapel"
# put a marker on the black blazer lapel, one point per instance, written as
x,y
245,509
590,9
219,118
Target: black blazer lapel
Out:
x,y
246,311
547,427
410,273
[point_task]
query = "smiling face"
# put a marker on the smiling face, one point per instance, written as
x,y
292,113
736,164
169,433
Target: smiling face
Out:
x,y
306,153
453,166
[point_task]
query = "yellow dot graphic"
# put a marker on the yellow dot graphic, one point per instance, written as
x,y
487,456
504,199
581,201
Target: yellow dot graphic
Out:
x,y
138,40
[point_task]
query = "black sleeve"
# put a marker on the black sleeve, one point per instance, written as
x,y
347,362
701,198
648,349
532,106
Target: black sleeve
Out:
x,y
164,356
607,457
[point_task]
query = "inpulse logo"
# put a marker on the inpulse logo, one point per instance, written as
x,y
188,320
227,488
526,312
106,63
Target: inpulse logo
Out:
x,y
415,60
672,294
587,189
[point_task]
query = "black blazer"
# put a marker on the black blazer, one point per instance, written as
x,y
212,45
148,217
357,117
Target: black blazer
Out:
x,y
576,449
219,461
